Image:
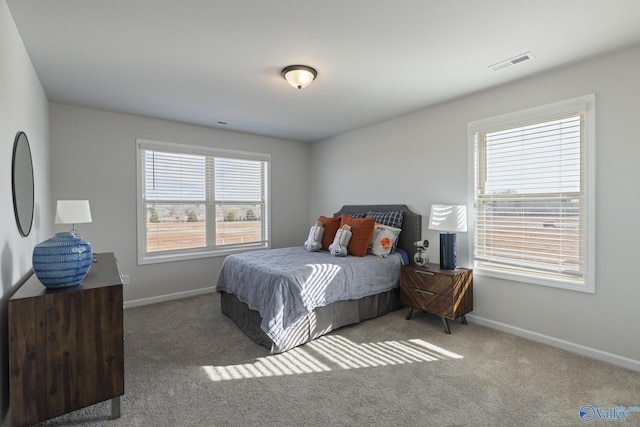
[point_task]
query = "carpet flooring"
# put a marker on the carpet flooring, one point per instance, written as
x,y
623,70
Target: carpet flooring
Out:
x,y
186,364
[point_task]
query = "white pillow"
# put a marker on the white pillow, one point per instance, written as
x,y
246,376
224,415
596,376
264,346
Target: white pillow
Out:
x,y
383,240
341,241
314,241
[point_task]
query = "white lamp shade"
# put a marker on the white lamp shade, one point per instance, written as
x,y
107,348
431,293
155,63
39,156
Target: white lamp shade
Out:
x,y
450,218
73,212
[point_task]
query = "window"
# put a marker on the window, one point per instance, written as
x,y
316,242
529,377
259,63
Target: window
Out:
x,y
196,201
533,195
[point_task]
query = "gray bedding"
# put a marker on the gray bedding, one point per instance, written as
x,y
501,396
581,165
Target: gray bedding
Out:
x,y
289,283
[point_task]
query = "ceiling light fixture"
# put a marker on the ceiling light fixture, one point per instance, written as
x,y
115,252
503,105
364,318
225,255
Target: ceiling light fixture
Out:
x,y
299,75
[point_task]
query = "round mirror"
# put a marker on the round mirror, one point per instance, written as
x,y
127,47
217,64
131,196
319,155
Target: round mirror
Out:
x,y
22,183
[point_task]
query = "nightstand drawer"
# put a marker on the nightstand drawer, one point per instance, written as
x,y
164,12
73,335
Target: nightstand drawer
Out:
x,y
427,301
425,280
447,293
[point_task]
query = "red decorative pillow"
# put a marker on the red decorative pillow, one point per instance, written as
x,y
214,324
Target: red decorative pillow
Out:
x,y
331,226
361,233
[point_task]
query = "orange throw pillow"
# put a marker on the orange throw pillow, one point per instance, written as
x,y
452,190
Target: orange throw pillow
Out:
x,y
361,234
331,226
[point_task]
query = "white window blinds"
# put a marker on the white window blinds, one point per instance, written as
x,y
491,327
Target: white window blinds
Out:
x,y
530,198
195,201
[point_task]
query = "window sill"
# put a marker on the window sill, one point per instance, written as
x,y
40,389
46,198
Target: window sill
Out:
x,y
186,256
532,280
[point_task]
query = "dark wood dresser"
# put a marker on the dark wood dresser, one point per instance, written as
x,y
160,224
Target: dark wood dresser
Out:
x,y
66,348
447,293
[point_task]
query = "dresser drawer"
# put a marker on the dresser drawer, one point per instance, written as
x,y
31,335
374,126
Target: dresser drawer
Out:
x,y
427,281
441,305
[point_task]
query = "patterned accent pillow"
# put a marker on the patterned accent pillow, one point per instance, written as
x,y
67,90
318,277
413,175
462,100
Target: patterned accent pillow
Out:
x,y
384,240
391,219
358,215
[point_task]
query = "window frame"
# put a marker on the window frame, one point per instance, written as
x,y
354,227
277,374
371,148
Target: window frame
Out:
x,y
206,252
586,105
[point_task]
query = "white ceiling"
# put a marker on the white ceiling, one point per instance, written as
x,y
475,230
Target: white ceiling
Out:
x,y
210,61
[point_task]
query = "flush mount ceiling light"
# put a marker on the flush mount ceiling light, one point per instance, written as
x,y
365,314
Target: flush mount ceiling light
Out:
x,y
299,75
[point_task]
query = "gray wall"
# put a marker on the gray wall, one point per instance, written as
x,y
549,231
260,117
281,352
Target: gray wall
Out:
x,y
23,106
93,157
422,158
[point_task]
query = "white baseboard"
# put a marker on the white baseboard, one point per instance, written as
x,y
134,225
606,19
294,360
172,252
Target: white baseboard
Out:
x,y
168,297
614,359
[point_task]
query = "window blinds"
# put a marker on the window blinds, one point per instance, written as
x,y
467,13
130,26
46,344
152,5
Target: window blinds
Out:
x,y
530,198
200,199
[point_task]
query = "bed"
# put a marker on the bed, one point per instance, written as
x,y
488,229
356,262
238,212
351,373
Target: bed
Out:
x,y
319,292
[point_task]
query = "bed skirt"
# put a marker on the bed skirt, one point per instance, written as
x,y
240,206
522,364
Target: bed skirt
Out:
x,y
319,322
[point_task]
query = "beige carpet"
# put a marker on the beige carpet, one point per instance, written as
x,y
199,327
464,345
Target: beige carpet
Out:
x,y
186,364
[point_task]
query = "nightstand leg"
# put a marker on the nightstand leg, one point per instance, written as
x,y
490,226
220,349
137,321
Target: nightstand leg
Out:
x,y
463,319
409,314
115,408
446,325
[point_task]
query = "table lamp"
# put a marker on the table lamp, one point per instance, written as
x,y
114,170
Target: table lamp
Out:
x,y
73,212
451,219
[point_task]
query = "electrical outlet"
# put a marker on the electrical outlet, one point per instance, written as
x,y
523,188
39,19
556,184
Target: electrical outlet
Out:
x,y
125,278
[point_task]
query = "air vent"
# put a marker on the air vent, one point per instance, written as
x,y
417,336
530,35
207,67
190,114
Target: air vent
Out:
x,y
513,61
227,124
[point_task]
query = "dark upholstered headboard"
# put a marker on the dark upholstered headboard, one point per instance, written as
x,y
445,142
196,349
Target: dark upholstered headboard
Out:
x,y
411,223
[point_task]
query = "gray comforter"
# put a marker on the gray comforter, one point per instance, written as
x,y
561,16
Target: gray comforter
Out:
x,y
288,283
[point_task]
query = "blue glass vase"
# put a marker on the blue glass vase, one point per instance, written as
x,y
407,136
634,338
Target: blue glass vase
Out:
x,y
62,261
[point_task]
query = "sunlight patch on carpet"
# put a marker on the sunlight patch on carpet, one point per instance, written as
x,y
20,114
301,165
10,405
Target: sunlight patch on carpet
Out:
x,y
295,361
338,353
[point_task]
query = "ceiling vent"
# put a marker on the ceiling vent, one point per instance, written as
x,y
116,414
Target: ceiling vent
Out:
x,y
513,61
227,124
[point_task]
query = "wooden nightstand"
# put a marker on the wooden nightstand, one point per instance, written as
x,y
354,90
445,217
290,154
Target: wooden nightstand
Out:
x,y
447,293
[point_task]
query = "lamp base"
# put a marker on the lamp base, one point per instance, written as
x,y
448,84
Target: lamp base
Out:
x,y
448,251
61,261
